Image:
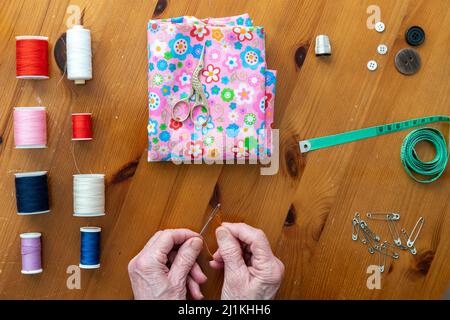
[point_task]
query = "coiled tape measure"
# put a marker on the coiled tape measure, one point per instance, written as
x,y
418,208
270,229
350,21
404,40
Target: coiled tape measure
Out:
x,y
432,170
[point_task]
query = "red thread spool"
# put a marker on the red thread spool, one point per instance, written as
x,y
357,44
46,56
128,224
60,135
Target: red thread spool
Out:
x,y
81,126
31,57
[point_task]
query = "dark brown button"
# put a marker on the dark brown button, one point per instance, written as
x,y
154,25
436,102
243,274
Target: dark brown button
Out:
x,y
407,61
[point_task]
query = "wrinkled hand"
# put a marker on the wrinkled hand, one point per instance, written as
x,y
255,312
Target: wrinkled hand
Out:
x,y
251,269
167,266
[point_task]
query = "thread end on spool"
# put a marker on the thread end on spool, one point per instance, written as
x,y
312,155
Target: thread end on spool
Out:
x,y
88,215
32,271
32,213
87,266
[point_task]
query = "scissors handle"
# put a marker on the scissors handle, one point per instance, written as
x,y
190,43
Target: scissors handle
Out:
x,y
199,105
178,105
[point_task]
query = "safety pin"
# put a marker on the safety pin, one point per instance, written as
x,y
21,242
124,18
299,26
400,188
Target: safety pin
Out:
x,y
392,253
405,236
394,232
381,266
365,228
382,216
367,240
370,241
355,229
410,242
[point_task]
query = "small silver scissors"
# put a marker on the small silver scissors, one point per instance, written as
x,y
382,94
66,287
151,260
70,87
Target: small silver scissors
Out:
x,y
200,100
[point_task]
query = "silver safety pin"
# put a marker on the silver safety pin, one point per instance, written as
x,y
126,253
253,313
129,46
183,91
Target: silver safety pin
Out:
x,y
405,236
419,223
394,232
381,266
355,229
392,253
382,216
368,240
369,232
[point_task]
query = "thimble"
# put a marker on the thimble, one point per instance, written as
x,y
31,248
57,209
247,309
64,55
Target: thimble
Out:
x,y
323,47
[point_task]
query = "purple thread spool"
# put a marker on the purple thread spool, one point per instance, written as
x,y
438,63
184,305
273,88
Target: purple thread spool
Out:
x,y
31,252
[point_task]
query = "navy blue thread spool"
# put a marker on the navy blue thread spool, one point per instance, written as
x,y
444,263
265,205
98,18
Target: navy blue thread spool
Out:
x,y
90,247
32,193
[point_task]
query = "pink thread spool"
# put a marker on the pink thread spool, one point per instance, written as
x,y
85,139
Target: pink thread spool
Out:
x,y
30,127
31,252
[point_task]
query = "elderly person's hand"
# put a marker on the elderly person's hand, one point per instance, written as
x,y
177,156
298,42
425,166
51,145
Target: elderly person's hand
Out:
x,y
251,269
167,266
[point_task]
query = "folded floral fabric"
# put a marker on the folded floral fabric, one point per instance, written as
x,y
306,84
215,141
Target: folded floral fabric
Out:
x,y
239,88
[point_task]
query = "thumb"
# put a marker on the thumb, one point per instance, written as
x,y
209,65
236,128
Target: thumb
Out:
x,y
185,259
229,249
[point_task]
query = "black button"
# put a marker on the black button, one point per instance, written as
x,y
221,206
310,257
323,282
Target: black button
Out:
x,y
415,36
407,61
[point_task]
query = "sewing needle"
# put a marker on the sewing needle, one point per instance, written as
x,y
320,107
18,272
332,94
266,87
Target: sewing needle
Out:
x,y
210,218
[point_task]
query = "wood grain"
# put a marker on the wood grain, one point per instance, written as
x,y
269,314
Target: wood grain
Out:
x,y
318,192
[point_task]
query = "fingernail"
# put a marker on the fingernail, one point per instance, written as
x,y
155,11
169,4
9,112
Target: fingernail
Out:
x,y
196,244
221,234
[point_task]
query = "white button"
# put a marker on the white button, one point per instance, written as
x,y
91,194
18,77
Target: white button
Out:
x,y
382,49
372,65
379,26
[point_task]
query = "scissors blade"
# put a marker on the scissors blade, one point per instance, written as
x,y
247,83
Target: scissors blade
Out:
x,y
202,58
210,218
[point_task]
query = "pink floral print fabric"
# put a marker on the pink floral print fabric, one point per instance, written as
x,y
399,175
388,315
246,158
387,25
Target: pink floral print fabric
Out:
x,y
239,88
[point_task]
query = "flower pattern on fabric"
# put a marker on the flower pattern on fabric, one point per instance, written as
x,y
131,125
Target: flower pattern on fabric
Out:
x,y
175,125
232,63
153,101
199,32
158,48
205,126
238,87
152,127
157,79
194,150
180,46
251,58
211,73
254,80
197,51
185,79
214,55
232,130
244,94
243,33
217,34
227,94
154,27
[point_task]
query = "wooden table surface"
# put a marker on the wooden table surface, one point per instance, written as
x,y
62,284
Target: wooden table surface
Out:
x,y
318,193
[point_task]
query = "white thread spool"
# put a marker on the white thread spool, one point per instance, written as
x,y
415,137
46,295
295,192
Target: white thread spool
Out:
x,y
88,195
79,54
323,46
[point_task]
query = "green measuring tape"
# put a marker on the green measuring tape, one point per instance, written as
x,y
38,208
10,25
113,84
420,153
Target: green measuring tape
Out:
x,y
413,165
